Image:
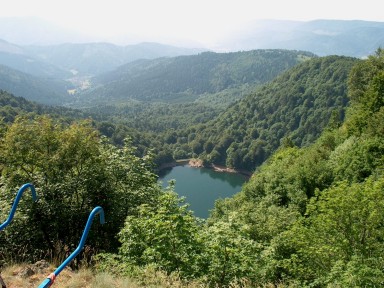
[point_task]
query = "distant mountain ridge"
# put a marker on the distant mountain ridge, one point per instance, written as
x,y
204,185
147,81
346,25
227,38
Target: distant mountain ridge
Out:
x,y
47,70
77,62
356,38
353,38
83,58
96,58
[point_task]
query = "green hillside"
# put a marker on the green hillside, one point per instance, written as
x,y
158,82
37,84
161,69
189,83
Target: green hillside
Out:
x,y
308,217
185,78
42,90
294,107
316,212
13,106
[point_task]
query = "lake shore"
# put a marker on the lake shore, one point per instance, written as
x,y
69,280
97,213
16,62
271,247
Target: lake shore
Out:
x,y
198,163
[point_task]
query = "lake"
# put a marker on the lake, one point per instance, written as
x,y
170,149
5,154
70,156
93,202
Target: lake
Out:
x,y
202,186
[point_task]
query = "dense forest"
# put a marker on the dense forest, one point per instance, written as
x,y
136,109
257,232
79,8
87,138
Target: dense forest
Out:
x,y
310,216
296,106
185,78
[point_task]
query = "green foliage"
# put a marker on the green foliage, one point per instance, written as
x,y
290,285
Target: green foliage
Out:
x,y
366,91
318,210
357,158
342,229
12,106
230,255
156,117
310,216
73,171
297,105
167,236
163,235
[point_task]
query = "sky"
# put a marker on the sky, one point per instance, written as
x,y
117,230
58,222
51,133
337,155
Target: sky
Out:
x,y
199,21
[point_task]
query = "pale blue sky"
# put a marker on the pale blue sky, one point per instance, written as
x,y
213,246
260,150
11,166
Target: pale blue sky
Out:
x,y
202,21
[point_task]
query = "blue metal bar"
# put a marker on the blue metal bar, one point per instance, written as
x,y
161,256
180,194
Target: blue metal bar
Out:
x,y
16,202
51,278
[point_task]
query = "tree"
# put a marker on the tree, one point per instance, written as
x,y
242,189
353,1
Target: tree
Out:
x,y
343,228
163,235
366,90
73,170
231,256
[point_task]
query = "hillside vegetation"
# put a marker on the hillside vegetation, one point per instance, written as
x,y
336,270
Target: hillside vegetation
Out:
x,y
185,78
295,107
12,106
310,216
33,88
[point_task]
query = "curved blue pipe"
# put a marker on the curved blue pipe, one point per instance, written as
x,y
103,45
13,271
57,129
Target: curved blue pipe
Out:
x,y
49,281
16,202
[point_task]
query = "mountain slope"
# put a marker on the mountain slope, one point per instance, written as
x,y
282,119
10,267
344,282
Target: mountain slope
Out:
x,y
296,106
45,91
17,58
185,78
12,106
95,58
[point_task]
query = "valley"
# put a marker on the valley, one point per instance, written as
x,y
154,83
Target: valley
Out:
x,y
95,124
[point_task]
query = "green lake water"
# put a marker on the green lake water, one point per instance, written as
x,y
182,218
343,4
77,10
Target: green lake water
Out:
x,y
202,186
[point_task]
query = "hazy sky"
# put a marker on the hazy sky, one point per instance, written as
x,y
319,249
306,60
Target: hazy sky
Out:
x,y
202,21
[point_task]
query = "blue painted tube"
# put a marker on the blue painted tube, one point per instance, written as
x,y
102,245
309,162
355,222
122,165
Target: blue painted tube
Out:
x,y
46,283
16,202
97,210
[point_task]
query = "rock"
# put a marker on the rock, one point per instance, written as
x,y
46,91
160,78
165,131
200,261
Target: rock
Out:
x,y
26,272
197,163
40,266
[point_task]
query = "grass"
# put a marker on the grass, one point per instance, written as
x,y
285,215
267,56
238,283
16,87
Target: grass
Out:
x,y
15,277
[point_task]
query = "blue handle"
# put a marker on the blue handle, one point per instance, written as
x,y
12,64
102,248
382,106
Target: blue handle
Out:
x,y
49,281
17,199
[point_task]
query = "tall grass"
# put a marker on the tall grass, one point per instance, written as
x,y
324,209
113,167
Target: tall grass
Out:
x,y
87,278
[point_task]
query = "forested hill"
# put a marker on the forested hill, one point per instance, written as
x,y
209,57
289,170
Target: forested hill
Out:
x,y
33,88
29,65
315,214
296,106
185,78
12,106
